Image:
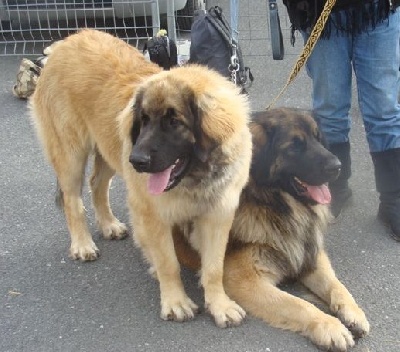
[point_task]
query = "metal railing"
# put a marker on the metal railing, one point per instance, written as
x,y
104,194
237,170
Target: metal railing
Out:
x,y
27,26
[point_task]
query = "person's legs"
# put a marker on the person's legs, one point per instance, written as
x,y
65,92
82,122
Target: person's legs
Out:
x,y
329,67
376,61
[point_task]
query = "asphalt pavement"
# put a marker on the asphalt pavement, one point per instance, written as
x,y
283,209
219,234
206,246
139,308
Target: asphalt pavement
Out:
x,y
50,303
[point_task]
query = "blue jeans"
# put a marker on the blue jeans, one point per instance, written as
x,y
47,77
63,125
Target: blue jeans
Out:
x,y
374,56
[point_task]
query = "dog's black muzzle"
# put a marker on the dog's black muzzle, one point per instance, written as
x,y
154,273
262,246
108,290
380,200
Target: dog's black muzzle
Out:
x,y
332,169
140,161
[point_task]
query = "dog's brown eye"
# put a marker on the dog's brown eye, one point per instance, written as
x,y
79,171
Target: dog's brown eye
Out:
x,y
298,144
174,122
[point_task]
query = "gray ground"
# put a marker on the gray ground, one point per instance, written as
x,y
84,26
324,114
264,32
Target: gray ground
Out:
x,y
50,303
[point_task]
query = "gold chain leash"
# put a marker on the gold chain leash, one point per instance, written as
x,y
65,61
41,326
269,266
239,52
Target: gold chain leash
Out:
x,y
308,47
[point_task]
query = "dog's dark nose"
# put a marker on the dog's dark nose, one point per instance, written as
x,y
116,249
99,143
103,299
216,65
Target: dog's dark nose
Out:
x,y
332,168
140,161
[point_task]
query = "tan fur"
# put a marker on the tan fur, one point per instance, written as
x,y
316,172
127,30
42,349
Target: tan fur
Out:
x,y
84,104
269,244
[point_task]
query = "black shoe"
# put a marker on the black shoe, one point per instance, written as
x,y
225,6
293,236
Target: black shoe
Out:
x,y
387,177
341,193
340,199
389,215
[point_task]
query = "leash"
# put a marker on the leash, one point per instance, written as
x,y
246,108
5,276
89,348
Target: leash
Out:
x,y
308,47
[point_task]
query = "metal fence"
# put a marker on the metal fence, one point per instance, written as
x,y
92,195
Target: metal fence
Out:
x,y
27,26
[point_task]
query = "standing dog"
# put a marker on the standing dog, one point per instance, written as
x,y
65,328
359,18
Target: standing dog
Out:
x,y
278,231
179,138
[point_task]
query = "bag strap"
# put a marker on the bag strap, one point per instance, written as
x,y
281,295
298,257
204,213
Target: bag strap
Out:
x,y
278,50
308,47
234,7
220,23
234,67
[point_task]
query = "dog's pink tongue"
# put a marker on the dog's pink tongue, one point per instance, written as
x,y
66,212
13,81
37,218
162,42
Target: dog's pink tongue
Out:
x,y
320,194
158,182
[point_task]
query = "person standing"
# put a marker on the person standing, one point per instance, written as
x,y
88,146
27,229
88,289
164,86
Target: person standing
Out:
x,y
361,36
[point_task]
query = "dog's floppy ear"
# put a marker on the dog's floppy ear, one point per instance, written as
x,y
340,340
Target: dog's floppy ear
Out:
x,y
137,110
264,140
203,143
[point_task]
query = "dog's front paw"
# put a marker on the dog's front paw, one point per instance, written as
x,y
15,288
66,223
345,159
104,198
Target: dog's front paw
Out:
x,y
226,312
85,250
330,334
180,308
113,230
354,318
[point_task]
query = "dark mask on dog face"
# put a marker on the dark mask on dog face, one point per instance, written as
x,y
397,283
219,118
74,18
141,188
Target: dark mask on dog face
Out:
x,y
290,154
166,134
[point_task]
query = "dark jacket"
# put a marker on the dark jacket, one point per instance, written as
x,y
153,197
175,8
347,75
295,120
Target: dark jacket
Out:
x,y
356,15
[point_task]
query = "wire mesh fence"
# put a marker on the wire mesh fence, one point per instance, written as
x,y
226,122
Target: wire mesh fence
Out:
x,y
27,26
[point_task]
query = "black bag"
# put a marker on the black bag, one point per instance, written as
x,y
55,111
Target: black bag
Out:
x,y
212,45
162,50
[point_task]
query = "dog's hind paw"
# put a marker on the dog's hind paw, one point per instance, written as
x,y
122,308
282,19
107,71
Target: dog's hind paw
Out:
x,y
180,310
84,251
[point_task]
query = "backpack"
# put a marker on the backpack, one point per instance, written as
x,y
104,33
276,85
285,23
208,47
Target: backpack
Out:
x,y
162,50
212,45
29,72
27,77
